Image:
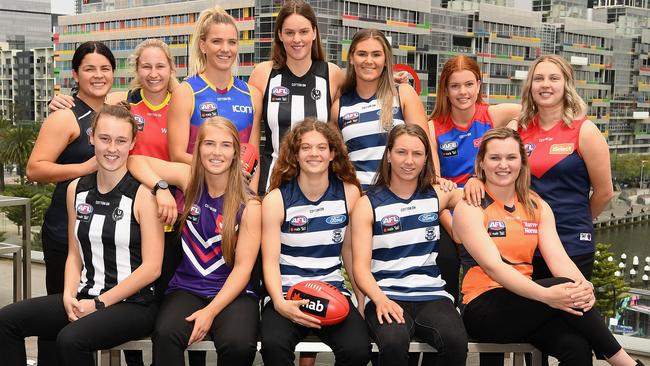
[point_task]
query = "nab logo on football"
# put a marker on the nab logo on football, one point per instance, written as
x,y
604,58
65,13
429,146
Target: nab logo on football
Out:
x,y
496,228
390,224
280,94
449,148
336,219
298,224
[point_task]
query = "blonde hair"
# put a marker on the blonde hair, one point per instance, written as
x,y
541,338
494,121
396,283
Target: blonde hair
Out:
x,y
386,90
236,195
208,17
134,60
574,106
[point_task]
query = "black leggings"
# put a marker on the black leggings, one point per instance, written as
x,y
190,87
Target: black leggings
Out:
x,y
436,322
449,263
45,317
500,316
234,329
348,340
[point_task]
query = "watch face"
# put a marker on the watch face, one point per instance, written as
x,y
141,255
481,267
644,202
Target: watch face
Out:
x,y
163,185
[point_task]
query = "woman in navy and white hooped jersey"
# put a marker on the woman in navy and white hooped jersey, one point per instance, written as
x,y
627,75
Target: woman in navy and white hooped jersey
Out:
x,y
313,187
395,233
114,256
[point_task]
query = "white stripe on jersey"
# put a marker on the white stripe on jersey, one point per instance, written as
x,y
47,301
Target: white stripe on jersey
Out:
x,y
403,238
195,263
297,109
97,250
366,176
272,115
412,281
321,104
370,153
198,237
123,240
290,280
326,208
309,262
423,293
80,198
309,239
421,206
403,263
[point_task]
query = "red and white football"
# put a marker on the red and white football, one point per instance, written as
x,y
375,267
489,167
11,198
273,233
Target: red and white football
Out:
x,y
326,302
249,158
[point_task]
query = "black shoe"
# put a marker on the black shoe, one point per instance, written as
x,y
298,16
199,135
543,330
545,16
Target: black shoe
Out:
x,y
639,363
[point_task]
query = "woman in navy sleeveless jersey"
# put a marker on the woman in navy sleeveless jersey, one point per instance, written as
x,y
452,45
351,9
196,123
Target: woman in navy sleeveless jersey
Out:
x,y
569,157
312,182
114,256
395,233
221,223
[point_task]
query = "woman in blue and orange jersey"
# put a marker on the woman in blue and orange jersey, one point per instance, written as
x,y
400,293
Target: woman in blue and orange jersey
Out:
x,y
395,233
502,303
459,120
211,89
370,104
568,158
313,187
221,225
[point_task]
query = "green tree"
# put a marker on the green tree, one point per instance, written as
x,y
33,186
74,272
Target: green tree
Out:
x,y
40,201
16,144
609,288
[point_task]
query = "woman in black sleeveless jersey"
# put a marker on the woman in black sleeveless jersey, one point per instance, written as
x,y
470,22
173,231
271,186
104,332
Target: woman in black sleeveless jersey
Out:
x,y
63,152
114,256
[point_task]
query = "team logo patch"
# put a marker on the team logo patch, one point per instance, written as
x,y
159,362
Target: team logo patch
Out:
x,y
561,149
208,109
477,142
337,235
430,233
529,148
530,228
118,214
195,213
298,224
496,228
84,212
350,118
139,121
315,94
449,148
336,219
390,223
428,217
585,236
280,94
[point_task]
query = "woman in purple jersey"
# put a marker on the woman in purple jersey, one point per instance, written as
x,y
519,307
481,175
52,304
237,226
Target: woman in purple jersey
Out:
x,y
209,293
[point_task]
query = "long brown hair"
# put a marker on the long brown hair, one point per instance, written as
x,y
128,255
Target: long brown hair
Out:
x,y
456,63
574,106
428,174
522,184
290,7
236,195
386,90
287,166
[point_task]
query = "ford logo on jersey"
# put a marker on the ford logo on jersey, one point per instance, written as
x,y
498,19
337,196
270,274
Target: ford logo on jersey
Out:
x,y
428,217
208,106
335,220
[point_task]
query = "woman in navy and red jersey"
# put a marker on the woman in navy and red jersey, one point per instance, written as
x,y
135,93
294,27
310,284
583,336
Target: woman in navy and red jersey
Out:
x,y
568,157
502,303
459,120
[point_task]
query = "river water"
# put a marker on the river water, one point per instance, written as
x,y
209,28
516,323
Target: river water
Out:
x,y
629,239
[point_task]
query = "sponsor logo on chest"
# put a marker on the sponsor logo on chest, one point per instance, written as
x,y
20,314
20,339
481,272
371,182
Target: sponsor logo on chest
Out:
x,y
84,212
208,109
298,224
195,214
350,118
449,148
390,224
530,228
496,229
561,149
280,94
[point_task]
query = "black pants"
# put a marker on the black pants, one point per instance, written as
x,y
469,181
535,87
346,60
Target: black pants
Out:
x,y
500,316
449,263
55,254
436,322
348,340
76,341
234,330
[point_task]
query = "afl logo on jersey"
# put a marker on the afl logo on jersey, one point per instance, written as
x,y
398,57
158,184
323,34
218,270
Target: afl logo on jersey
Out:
x,y
298,224
529,148
337,235
428,217
449,148
336,219
208,109
315,94
195,213
350,118
139,121
280,94
84,212
496,228
390,223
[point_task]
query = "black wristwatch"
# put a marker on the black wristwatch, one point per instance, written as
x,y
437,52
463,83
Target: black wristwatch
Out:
x,y
99,305
160,185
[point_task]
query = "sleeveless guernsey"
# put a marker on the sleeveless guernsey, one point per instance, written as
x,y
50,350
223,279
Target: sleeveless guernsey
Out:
x,y
515,236
78,151
458,146
235,103
559,175
363,133
151,139
405,234
108,236
312,234
203,270
289,99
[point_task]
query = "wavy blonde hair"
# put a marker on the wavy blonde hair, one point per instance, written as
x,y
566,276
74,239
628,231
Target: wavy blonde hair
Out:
x,y
237,193
574,106
208,17
134,60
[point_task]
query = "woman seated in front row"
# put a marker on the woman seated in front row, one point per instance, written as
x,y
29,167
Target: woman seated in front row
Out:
x,y
502,303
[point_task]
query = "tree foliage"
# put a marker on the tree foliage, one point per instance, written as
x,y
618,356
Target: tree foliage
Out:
x,y
40,200
609,288
627,167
